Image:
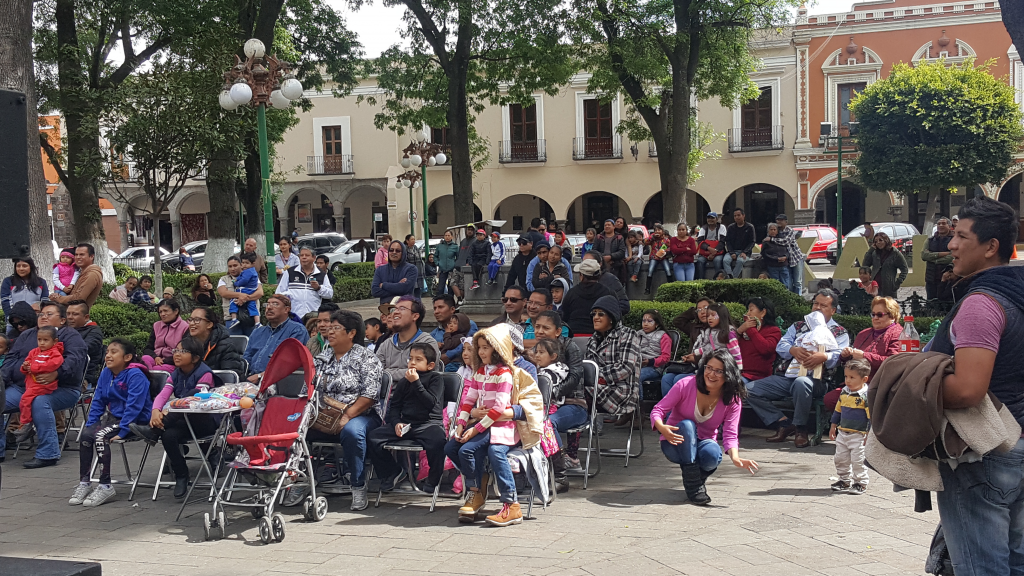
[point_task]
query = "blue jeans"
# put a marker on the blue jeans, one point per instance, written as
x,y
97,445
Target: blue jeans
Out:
x,y
664,265
237,330
705,453
567,417
802,391
669,380
683,272
732,267
43,408
780,273
982,513
702,264
353,441
468,458
649,374
796,278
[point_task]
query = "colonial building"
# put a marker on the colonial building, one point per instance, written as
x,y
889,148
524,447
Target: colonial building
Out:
x,y
561,158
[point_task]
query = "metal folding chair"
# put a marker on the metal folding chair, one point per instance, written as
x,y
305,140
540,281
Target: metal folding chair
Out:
x,y
589,381
544,383
79,410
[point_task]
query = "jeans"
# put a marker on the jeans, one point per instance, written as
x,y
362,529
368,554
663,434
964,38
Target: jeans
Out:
x,y
649,374
468,458
683,272
567,417
633,267
796,278
780,273
353,442
442,283
702,263
705,453
664,265
734,268
237,330
802,390
43,408
982,513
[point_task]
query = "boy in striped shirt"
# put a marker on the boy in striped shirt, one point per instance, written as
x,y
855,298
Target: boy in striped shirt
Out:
x,y
850,423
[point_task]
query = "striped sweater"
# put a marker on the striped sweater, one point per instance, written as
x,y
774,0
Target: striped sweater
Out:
x,y
852,413
491,388
708,342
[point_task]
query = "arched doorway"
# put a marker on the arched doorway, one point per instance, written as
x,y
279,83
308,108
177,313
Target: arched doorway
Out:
x,y
519,209
696,208
364,213
1010,194
441,214
854,199
311,211
192,214
761,203
592,209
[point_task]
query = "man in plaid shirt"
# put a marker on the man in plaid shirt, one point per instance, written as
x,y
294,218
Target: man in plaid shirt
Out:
x,y
616,349
787,238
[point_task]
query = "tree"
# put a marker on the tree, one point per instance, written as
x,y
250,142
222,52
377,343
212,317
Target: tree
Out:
x,y
663,54
1013,20
163,124
16,72
933,127
465,54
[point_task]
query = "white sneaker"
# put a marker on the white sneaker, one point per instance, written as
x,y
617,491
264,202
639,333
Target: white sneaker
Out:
x,y
359,500
99,496
80,494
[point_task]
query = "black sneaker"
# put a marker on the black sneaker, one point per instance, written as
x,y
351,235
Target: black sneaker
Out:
x,y
857,489
841,486
40,463
388,484
151,435
180,488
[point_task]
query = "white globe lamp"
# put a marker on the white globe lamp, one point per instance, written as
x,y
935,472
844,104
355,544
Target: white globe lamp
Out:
x,y
254,48
441,158
291,88
416,160
405,162
431,161
277,100
241,94
225,100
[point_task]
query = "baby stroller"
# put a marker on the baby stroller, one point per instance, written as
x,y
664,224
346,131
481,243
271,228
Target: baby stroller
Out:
x,y
275,454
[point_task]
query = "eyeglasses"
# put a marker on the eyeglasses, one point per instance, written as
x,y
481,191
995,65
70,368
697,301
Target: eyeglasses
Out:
x,y
879,314
512,299
405,308
535,304
716,371
196,319
703,309
333,328
178,351
598,314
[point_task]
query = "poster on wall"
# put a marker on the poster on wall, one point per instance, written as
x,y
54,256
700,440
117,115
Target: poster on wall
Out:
x,y
304,213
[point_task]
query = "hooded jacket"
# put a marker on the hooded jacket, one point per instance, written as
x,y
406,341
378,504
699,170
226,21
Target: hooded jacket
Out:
x,y
525,392
221,354
577,302
387,279
479,253
126,396
164,337
446,254
92,335
617,354
516,275
394,354
22,311
70,373
565,289
611,282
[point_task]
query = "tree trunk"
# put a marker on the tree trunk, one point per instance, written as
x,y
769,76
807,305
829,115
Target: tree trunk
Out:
x,y
16,72
1013,20
458,136
932,211
222,220
251,196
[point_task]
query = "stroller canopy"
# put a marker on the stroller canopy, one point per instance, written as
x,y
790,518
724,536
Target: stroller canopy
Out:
x,y
290,356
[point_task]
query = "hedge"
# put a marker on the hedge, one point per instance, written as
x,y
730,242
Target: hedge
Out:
x,y
788,305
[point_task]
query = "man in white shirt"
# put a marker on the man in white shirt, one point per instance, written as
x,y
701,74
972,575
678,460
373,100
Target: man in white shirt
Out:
x,y
305,284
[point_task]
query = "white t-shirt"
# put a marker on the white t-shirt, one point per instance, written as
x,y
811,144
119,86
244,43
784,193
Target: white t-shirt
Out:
x,y
227,280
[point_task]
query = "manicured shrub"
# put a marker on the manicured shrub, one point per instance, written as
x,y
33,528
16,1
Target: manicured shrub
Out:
x,y
350,289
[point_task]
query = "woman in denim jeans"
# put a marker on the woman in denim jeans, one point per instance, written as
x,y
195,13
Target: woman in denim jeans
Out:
x,y
683,248
775,256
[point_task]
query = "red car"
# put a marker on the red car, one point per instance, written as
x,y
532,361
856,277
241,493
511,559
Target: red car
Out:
x,y
823,235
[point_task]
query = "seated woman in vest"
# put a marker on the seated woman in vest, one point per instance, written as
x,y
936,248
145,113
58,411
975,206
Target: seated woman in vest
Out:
x,y
167,332
190,372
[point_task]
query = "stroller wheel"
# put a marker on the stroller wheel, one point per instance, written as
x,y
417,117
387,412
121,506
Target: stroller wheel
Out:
x,y
277,523
222,523
319,509
206,526
266,536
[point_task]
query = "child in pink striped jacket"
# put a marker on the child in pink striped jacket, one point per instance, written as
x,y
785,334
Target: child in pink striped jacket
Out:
x,y
493,434
718,334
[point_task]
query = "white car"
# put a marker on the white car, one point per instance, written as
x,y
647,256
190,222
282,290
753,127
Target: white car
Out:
x,y
347,253
198,250
140,258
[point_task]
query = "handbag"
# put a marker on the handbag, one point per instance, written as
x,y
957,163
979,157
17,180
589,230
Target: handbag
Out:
x,y
549,439
328,415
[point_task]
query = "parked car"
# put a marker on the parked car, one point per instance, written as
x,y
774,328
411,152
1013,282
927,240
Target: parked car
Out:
x,y
823,235
347,253
198,251
321,242
901,233
140,259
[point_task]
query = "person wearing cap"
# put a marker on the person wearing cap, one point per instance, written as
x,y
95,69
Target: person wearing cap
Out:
x,y
446,253
516,275
710,246
616,350
739,244
396,278
611,282
479,256
612,247
281,324
497,259
578,301
795,260
541,255
953,222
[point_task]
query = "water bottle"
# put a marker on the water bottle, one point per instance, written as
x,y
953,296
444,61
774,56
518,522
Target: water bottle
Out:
x,y
910,341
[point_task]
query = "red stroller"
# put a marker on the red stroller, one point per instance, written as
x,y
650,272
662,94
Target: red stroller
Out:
x,y
275,453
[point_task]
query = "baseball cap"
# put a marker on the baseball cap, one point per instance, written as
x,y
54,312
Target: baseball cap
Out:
x,y
588,268
712,214
523,240
481,231
496,234
782,217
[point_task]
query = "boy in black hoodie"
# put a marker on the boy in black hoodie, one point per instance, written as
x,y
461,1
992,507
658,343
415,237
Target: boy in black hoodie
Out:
x,y
415,412
479,256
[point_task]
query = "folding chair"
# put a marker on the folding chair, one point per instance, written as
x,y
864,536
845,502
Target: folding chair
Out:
x,y
582,342
589,381
239,343
80,409
452,394
544,383
227,376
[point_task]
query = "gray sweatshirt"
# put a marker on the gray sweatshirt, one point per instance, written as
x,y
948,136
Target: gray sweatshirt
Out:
x,y
394,355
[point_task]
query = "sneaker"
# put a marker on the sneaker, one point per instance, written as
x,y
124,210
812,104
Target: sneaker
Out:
x,y
151,435
508,515
80,494
99,496
857,489
474,286
475,500
24,433
573,464
841,486
359,500
388,484
561,485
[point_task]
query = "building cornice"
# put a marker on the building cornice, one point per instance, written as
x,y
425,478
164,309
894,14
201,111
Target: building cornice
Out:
x,y
886,19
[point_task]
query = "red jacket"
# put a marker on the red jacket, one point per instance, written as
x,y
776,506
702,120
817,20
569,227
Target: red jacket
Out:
x,y
683,250
44,362
759,351
876,350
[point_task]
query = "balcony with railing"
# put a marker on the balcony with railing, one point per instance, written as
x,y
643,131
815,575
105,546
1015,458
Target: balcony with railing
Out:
x,y
328,165
122,171
755,139
519,152
597,148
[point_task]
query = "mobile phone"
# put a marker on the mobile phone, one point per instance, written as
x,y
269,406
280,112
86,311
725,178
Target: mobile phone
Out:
x,y
405,429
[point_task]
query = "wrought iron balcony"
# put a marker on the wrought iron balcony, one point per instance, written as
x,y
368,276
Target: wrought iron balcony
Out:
x,y
325,165
516,152
755,139
597,148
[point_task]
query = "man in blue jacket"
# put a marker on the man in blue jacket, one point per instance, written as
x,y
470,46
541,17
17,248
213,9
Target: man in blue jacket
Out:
x,y
266,338
396,278
69,382
541,248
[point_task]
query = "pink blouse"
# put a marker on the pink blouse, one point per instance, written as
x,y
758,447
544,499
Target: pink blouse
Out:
x,y
681,401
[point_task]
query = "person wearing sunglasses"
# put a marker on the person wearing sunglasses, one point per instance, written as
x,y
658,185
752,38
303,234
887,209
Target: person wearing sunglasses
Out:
x,y
689,416
396,278
514,306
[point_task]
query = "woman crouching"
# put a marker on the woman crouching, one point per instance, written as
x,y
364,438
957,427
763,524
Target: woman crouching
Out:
x,y
696,406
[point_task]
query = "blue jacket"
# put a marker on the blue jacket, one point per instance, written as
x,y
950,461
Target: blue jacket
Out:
x,y
387,279
454,355
264,340
71,372
533,264
8,296
125,396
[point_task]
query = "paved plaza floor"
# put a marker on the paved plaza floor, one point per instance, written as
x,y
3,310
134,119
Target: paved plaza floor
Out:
x,y
635,520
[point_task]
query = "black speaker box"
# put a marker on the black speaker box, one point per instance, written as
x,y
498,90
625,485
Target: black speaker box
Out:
x,y
14,222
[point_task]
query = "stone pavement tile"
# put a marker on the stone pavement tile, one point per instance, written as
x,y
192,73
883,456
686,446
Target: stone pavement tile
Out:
x,y
876,568
859,541
787,568
417,555
727,535
907,558
368,566
630,563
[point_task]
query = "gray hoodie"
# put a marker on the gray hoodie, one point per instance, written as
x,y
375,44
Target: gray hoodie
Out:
x,y
565,289
394,355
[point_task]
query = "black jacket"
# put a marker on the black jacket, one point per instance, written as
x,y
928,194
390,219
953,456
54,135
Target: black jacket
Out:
x,y
517,273
221,353
576,305
572,386
740,239
70,373
479,253
420,402
617,247
463,258
611,282
771,252
92,334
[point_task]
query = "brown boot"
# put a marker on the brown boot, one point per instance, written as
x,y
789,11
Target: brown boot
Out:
x,y
800,440
782,433
476,500
508,515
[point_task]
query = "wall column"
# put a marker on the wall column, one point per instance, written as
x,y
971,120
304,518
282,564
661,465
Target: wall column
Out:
x,y
175,235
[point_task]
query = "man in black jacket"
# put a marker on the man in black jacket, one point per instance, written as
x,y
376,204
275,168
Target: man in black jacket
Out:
x,y
739,243
612,248
576,304
92,334
517,273
611,282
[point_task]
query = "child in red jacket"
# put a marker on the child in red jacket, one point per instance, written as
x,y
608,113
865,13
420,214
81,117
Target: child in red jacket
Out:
x,y
45,359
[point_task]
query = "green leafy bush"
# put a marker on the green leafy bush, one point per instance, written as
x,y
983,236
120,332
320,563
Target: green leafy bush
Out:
x,y
122,272
119,319
349,289
854,324
787,304
139,339
355,270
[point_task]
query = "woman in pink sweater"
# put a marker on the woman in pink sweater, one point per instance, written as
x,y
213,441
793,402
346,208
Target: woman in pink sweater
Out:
x,y
689,416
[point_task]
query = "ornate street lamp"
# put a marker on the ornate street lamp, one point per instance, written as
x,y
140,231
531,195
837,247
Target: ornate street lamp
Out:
x,y
264,81
419,154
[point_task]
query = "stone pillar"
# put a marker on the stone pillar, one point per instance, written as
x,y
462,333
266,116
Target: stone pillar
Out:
x,y
339,219
122,227
175,235
285,231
